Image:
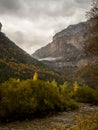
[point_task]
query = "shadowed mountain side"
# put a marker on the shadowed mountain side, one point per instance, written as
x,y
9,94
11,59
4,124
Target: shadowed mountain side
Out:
x,y
16,63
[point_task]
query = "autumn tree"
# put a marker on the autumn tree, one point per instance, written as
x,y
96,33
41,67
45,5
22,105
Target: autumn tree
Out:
x,y
35,77
75,86
92,48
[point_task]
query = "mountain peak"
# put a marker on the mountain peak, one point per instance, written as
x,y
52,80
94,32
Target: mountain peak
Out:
x,y
74,28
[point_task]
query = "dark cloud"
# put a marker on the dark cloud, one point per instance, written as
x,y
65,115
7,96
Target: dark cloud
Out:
x,y
83,1
9,6
32,23
40,8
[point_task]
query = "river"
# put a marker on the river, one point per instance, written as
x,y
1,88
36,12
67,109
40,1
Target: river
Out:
x,y
62,118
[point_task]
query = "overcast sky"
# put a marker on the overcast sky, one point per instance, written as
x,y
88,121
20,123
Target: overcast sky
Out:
x,y
31,24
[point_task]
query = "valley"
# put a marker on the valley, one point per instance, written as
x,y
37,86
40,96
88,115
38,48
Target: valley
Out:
x,y
56,87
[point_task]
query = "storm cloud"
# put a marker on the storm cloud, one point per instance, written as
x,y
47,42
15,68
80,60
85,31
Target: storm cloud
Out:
x,y
32,23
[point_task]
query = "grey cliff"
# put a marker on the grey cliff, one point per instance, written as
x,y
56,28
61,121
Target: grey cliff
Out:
x,y
67,47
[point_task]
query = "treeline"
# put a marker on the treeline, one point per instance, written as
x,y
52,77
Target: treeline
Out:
x,y
35,98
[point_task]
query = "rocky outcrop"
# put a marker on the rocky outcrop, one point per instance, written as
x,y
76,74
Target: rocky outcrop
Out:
x,y
0,27
68,45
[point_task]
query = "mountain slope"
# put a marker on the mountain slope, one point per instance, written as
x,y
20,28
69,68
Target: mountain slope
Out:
x,y
67,47
67,53
14,62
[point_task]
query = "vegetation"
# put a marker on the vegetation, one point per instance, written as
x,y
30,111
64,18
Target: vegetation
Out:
x,y
89,74
16,63
35,77
30,98
92,48
83,123
86,94
20,99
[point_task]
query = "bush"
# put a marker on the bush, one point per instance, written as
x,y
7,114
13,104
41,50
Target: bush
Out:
x,y
29,98
87,95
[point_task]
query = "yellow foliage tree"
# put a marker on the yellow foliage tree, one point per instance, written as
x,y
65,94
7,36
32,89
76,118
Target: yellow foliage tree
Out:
x,y
18,80
75,86
35,77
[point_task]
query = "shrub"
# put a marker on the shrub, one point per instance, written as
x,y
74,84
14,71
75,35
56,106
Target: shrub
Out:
x,y
83,123
29,98
87,95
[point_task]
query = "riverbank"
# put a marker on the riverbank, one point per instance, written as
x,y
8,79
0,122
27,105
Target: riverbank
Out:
x,y
63,118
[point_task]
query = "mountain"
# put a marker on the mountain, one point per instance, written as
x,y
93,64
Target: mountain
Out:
x,y
67,53
67,47
16,63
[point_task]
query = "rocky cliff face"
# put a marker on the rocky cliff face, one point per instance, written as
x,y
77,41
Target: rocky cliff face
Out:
x,y
67,47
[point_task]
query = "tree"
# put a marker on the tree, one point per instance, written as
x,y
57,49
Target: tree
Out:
x,y
92,48
75,86
35,77
93,13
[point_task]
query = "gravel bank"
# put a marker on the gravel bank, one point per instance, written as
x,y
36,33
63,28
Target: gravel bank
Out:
x,y
66,118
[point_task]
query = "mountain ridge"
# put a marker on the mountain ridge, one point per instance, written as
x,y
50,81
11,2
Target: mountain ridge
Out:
x,y
68,45
16,63
67,54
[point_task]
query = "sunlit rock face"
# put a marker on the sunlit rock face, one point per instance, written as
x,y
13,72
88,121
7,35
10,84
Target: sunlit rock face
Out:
x,y
67,47
0,27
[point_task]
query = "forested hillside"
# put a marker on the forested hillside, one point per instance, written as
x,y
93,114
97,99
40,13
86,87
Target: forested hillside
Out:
x,y
14,62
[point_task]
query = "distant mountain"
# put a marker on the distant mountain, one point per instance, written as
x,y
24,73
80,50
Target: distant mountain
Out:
x,y
66,54
16,63
67,47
